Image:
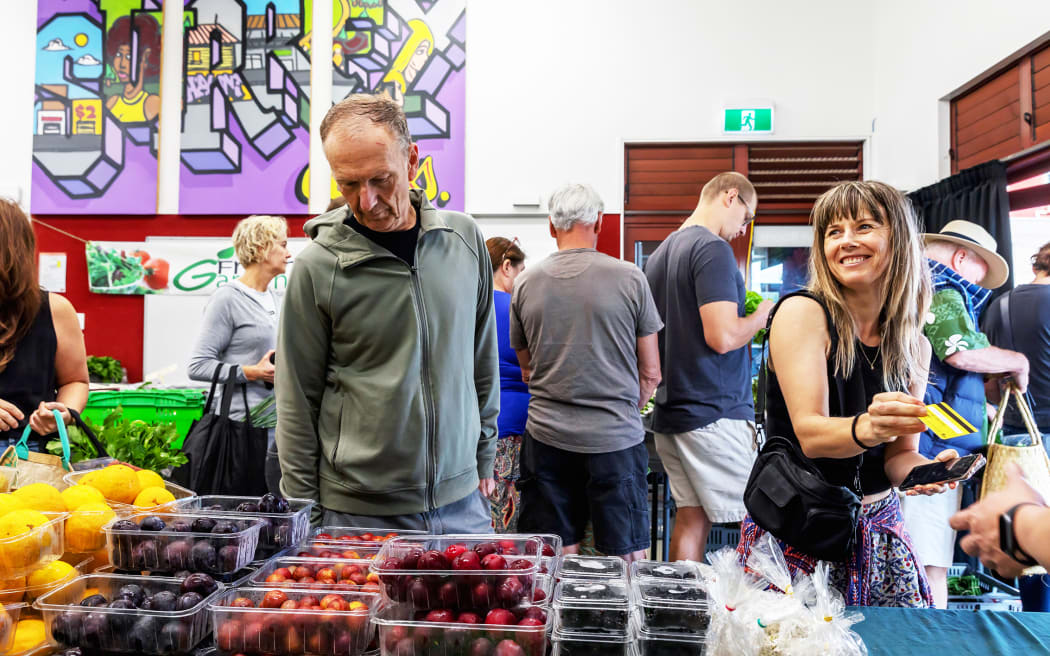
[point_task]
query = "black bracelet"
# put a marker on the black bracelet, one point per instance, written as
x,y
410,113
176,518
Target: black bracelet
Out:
x,y
853,432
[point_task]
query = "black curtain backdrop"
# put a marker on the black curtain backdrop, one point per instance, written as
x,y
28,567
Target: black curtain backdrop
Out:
x,y
977,195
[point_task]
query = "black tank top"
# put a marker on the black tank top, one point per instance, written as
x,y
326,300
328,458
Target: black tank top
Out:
x,y
29,377
846,398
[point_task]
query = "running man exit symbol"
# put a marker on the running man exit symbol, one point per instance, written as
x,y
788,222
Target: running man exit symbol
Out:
x,y
748,119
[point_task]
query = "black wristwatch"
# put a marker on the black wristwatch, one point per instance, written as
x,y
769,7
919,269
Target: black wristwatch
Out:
x,y
1008,539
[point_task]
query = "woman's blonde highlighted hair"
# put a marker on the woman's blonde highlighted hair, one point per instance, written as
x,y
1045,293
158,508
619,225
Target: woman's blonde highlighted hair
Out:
x,y
256,235
906,288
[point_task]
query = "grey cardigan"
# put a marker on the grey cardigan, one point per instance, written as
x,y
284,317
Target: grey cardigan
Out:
x,y
237,330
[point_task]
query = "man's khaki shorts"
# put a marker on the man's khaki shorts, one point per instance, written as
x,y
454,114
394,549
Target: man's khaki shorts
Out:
x,y
709,467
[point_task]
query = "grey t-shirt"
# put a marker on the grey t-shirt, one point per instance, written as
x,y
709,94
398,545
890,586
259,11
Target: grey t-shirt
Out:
x,y
580,314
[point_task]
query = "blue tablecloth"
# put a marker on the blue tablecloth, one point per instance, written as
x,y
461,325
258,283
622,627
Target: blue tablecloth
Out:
x,y
903,631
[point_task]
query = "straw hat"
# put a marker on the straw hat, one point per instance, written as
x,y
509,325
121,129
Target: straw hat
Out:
x,y
977,239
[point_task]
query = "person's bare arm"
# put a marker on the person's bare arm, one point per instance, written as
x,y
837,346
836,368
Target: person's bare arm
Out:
x,y
799,344
992,360
725,331
525,362
648,368
71,372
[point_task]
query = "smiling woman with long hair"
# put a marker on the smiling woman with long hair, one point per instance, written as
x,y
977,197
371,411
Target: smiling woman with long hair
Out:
x,y
43,363
860,321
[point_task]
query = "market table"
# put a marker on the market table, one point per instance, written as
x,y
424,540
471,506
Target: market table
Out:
x,y
898,631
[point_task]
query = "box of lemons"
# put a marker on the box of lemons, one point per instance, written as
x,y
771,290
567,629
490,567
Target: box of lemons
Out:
x,y
75,496
28,633
29,539
9,615
114,482
44,579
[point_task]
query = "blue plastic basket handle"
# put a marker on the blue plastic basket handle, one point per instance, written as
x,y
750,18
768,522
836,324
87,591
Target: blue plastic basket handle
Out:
x,y
22,448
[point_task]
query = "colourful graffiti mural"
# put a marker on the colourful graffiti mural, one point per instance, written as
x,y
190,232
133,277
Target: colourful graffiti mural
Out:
x,y
246,106
415,52
96,101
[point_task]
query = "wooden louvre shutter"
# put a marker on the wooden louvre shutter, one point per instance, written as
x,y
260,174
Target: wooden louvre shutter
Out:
x,y
1041,94
1004,111
791,176
669,177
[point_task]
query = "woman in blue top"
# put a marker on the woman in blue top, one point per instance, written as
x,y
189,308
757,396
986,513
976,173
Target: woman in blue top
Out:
x,y
508,261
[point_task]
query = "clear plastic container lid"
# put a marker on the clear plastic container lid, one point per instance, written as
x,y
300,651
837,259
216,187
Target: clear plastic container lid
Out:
x,y
656,593
598,595
698,638
561,633
658,569
592,567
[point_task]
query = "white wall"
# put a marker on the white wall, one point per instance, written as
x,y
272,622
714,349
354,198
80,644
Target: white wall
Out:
x,y
556,86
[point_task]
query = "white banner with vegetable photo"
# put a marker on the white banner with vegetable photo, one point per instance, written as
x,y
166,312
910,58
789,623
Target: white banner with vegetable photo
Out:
x,y
173,266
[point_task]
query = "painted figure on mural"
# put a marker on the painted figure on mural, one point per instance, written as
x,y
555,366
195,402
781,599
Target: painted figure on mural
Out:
x,y
133,103
410,61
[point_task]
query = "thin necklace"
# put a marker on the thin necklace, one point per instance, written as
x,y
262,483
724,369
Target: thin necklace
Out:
x,y
871,363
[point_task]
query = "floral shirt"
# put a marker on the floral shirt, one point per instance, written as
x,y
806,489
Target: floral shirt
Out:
x,y
949,326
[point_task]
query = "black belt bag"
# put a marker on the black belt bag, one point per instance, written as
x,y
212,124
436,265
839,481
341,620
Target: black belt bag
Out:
x,y
788,496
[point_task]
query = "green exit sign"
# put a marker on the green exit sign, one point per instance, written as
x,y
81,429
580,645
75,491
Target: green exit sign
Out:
x,y
748,119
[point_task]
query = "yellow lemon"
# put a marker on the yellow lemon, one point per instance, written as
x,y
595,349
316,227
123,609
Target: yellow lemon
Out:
x,y
20,546
54,572
12,590
117,483
149,479
78,495
153,496
9,502
84,527
28,635
40,496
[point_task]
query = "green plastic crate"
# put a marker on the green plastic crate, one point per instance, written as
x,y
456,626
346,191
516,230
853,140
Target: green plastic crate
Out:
x,y
151,406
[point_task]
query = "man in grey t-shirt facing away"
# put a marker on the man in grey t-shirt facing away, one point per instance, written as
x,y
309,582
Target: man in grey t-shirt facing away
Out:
x,y
704,416
584,327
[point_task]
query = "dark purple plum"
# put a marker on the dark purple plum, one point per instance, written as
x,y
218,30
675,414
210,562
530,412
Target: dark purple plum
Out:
x,y
94,601
145,556
74,651
143,636
248,507
66,628
94,631
174,637
182,573
228,557
124,525
177,555
203,525
188,601
121,622
152,523
181,526
283,535
202,584
223,526
204,557
132,592
267,503
164,601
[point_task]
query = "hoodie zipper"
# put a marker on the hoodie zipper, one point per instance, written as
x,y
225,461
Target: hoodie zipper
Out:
x,y
428,401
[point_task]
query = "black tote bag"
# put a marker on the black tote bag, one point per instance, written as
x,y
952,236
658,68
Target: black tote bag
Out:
x,y
225,456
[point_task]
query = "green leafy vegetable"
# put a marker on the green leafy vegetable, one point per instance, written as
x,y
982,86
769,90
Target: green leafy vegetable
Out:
x,y
144,445
264,415
751,302
106,369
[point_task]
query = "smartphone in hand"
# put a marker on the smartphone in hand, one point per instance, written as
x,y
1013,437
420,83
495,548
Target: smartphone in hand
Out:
x,y
938,473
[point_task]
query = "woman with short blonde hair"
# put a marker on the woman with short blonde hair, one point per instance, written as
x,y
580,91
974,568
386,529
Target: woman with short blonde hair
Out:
x,y
240,321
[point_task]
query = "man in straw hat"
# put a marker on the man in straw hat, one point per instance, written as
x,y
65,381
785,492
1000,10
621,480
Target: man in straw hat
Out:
x,y
965,270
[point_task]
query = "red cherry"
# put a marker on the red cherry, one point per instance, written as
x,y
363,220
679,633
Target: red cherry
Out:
x,y
468,560
440,615
453,550
493,562
501,616
469,618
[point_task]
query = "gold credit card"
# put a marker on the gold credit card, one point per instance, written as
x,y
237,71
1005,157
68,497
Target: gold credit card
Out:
x,y
945,422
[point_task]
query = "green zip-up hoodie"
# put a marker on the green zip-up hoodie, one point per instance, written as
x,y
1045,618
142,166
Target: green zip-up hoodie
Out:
x,y
387,377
